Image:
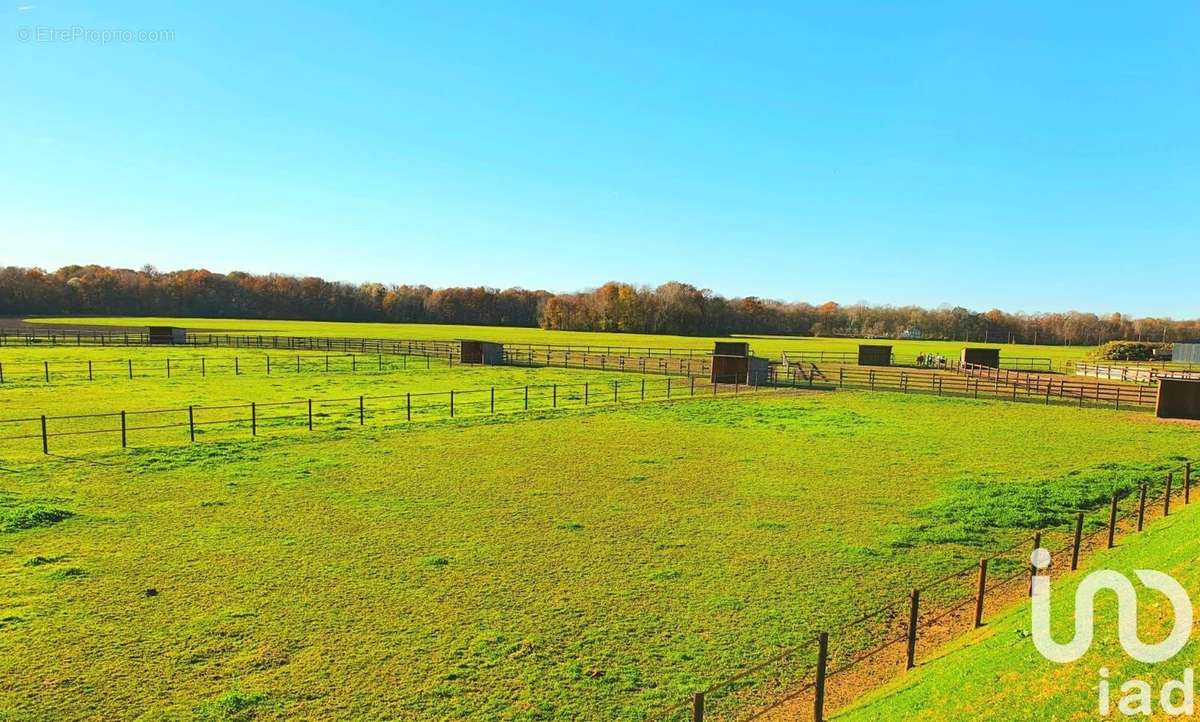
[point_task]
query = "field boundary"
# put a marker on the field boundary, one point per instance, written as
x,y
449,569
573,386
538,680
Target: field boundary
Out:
x,y
411,407
874,647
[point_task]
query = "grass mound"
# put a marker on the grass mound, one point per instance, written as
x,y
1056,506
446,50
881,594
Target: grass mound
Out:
x,y
18,513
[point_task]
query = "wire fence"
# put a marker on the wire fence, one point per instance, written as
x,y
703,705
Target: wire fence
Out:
x,y
167,367
917,360
990,383
834,667
1141,374
45,433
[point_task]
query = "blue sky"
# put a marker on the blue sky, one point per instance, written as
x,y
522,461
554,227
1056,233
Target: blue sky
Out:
x,y
1030,156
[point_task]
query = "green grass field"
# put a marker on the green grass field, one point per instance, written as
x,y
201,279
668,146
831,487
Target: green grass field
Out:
x,y
770,346
996,673
585,564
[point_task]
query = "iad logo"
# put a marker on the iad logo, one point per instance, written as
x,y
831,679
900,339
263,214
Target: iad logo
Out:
x,y
1136,694
1127,603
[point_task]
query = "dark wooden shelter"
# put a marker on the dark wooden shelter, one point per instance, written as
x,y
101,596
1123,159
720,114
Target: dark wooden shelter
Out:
x,y
981,357
1178,399
874,355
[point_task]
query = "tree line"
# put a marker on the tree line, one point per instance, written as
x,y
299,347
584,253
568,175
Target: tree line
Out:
x,y
671,308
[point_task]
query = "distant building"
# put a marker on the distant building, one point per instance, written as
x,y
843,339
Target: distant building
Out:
x,y
1186,353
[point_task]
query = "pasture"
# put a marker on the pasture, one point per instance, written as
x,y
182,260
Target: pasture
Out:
x,y
578,564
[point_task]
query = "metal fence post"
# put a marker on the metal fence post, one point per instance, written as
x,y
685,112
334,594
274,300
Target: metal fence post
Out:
x,y
554,403
451,402
819,685
191,424
1112,521
408,406
310,424
1078,541
123,444
526,397
362,413
1187,481
45,439
1142,507
1167,496
46,366
913,611
698,707
1033,570
129,363
253,419
980,591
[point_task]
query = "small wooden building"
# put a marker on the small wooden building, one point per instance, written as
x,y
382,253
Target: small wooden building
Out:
x,y
981,357
167,335
874,355
1178,399
730,362
481,352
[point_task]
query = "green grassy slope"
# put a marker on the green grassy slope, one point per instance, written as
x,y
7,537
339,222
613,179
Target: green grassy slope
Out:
x,y
997,674
763,345
581,565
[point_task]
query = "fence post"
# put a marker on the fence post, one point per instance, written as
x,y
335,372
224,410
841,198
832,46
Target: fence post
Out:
x,y
45,439
310,425
555,395
268,364
615,392
1112,521
1078,541
191,425
913,610
253,419
46,366
526,397
643,389
1142,507
980,590
89,371
822,665
1187,479
236,367
123,444
698,707
361,412
451,401
408,406
203,371
1167,496
693,385
668,388
1,373
585,393
1033,570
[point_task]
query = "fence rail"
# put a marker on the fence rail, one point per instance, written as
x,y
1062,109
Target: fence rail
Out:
x,y
34,433
1028,363
1146,374
989,383
806,680
171,367
1063,388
